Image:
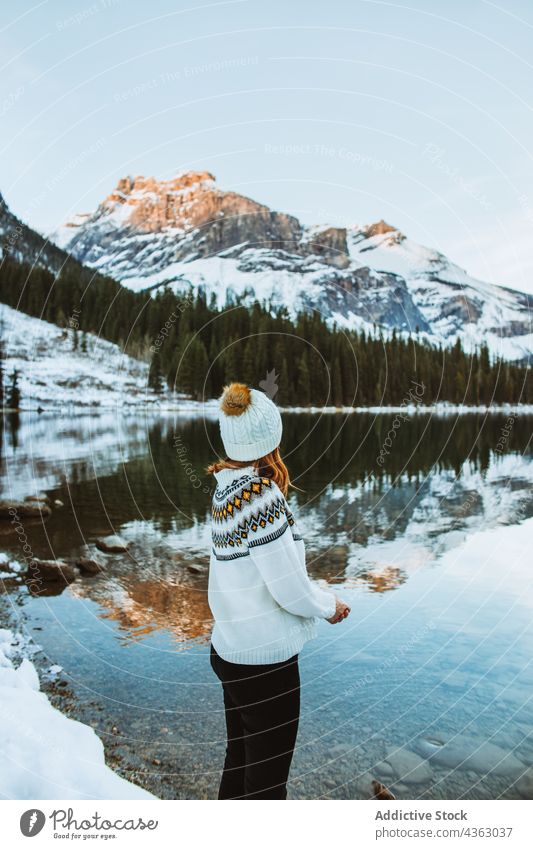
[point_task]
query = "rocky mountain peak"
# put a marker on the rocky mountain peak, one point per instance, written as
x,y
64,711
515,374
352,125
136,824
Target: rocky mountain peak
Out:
x,y
187,182
200,218
380,228
329,243
186,232
148,205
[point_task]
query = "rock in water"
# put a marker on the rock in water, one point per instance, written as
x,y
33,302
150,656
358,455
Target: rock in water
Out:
x,y
88,566
408,766
196,568
381,792
15,510
467,752
51,570
112,544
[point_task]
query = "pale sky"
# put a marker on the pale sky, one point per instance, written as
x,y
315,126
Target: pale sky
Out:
x,y
343,112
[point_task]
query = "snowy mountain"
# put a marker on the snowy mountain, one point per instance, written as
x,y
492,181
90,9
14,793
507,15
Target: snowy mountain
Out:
x,y
23,244
187,232
52,373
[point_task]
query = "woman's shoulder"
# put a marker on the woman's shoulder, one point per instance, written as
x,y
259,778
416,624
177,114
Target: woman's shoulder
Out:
x,y
244,490
235,483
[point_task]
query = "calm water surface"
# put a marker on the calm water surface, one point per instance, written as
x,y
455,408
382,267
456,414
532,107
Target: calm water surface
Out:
x,y
426,686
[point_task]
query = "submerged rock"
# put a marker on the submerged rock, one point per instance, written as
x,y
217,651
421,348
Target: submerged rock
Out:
x,y
384,769
41,496
409,767
196,568
88,566
14,510
471,753
51,570
112,544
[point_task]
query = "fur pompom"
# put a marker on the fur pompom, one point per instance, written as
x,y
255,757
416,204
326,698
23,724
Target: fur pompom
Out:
x,y
235,399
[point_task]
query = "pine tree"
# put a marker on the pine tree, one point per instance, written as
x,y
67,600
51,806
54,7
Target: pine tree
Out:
x,y
200,377
249,371
284,395
155,377
304,391
232,364
192,374
459,388
336,384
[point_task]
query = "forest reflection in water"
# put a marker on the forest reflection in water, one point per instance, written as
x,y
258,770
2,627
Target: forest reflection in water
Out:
x,y
423,655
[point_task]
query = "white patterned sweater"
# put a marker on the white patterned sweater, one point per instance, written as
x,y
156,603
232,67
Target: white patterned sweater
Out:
x,y
263,602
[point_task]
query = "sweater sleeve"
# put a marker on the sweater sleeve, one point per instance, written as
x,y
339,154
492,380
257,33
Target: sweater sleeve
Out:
x,y
275,554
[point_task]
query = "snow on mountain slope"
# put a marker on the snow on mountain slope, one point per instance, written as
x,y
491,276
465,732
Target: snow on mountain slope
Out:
x,y
187,232
23,244
51,373
452,302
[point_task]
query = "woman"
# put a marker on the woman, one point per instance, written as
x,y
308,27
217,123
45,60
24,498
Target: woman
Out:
x,y
264,605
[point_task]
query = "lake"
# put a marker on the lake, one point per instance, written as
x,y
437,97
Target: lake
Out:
x,y
427,686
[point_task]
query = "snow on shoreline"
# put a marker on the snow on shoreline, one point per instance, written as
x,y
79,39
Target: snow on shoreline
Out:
x,y
47,755
209,409
440,409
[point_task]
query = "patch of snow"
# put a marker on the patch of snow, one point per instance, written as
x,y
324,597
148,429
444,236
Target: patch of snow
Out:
x,y
45,754
66,232
433,281
52,373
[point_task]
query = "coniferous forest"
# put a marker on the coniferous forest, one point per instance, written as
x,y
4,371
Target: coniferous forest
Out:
x,y
195,347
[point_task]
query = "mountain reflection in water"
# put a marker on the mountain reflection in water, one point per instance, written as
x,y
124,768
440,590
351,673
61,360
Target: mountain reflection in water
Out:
x,y
432,651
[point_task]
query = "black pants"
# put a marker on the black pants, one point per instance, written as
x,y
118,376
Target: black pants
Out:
x,y
262,704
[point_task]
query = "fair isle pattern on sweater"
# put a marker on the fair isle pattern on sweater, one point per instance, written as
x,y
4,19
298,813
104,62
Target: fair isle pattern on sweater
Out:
x,y
243,515
244,489
263,602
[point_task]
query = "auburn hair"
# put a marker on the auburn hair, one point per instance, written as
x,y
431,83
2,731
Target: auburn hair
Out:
x,y
270,466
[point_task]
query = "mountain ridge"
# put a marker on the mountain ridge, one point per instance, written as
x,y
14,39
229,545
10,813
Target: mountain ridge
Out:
x,y
188,233
19,241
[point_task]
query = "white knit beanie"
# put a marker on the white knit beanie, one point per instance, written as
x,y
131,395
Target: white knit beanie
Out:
x,y
250,423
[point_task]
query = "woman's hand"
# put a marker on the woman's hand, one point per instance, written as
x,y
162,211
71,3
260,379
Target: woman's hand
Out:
x,y
341,611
